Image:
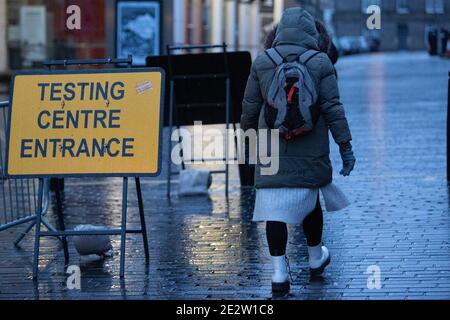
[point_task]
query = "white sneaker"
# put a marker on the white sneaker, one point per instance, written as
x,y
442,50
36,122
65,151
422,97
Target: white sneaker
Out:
x,y
319,259
280,278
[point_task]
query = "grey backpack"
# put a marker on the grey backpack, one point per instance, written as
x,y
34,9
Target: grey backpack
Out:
x,y
291,103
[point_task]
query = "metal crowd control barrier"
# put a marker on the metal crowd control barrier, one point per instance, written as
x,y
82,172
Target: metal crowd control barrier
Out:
x,y
18,198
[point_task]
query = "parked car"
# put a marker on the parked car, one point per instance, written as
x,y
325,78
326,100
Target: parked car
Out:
x,y
347,45
374,44
357,44
362,45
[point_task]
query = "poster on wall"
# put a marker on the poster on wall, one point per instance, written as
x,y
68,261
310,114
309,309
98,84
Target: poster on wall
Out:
x,y
33,34
138,30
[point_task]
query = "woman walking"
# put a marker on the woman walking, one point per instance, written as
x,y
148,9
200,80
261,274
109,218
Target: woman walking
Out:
x,y
291,196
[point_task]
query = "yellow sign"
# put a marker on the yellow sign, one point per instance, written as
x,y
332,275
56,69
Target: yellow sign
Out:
x,y
105,122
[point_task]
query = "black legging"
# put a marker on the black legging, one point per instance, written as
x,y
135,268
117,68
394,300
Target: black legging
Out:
x,y
277,233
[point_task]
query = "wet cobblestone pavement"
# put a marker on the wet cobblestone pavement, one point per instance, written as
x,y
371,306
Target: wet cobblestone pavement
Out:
x,y
208,248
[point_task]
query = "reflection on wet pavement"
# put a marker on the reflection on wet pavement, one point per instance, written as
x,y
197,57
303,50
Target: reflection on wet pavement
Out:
x,y
207,247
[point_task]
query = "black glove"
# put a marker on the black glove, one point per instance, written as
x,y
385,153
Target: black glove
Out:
x,y
348,159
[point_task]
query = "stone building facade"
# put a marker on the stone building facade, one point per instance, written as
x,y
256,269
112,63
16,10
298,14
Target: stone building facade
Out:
x,y
404,23
242,24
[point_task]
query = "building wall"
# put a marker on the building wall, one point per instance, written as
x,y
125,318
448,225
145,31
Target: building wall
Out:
x,y
312,6
348,6
92,41
238,23
349,20
247,25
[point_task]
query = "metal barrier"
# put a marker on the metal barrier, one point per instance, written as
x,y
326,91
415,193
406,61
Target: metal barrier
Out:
x,y
18,198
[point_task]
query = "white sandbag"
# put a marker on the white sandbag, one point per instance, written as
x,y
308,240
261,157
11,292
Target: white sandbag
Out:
x,y
89,259
194,182
87,245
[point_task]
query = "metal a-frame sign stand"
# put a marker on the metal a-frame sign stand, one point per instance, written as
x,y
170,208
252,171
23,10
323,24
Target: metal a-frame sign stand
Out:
x,y
62,234
174,108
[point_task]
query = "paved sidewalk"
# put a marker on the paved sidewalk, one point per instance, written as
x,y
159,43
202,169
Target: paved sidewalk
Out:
x,y
209,248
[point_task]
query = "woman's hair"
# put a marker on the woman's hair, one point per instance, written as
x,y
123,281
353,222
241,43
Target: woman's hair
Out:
x,y
324,42
270,38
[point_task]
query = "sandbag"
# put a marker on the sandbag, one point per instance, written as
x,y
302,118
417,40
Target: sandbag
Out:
x,y
87,245
194,182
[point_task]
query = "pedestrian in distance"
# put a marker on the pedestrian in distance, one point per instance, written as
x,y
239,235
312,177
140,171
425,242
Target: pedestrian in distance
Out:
x,y
293,88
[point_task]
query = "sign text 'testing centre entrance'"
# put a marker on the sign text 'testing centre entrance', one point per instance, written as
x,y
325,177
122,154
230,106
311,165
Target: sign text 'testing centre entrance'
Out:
x,y
86,123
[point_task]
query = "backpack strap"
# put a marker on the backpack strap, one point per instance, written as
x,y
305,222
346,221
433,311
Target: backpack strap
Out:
x,y
274,55
306,56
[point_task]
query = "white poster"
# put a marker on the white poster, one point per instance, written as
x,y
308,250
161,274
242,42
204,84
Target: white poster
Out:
x,y
138,30
33,34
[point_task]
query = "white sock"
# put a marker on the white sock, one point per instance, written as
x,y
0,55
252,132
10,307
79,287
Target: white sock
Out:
x,y
317,256
281,274
315,253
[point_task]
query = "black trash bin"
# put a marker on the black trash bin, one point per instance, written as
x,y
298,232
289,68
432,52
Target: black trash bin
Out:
x,y
445,36
433,42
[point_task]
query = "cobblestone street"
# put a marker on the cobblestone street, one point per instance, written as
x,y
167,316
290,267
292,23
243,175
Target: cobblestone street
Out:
x,y
204,248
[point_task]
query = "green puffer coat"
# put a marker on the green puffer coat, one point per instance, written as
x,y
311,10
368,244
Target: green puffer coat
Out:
x,y
304,162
